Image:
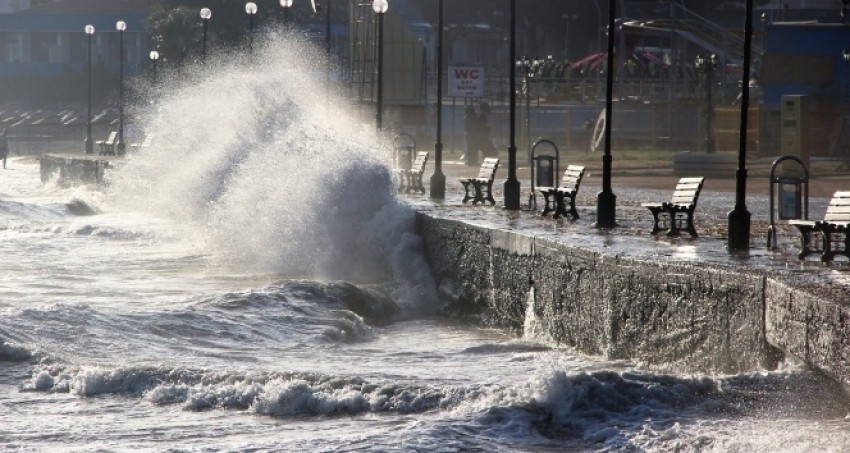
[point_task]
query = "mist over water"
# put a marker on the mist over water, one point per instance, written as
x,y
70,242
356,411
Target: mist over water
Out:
x,y
260,160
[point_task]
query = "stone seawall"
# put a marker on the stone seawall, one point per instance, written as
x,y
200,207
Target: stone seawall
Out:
x,y
668,315
69,170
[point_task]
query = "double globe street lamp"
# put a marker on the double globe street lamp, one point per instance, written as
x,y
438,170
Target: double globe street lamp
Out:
x,y
206,14
528,66
380,8
286,4
154,56
438,179
706,66
251,10
511,186
89,30
121,26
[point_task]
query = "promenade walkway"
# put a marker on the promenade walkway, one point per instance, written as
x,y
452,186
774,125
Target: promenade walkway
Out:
x,y
631,237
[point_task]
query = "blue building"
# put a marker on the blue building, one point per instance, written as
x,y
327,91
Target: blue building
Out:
x,y
807,58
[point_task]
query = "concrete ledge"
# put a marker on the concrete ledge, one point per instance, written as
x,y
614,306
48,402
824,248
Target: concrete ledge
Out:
x,y
812,328
69,169
668,315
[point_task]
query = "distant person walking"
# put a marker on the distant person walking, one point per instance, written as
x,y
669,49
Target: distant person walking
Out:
x,y
4,146
473,135
485,142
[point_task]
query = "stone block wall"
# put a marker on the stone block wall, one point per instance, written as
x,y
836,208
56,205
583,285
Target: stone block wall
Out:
x,y
675,316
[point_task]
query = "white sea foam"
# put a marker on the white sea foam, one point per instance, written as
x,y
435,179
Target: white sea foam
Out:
x,y
273,394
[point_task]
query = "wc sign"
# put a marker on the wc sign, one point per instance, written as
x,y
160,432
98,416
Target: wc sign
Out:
x,y
466,81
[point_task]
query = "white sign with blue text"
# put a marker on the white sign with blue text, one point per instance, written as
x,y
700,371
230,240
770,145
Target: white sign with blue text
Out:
x,y
466,81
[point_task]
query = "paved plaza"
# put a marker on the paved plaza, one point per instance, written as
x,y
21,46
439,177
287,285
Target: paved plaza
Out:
x,y
632,238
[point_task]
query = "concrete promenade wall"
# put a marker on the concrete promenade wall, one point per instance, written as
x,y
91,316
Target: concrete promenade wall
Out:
x,y
69,170
669,315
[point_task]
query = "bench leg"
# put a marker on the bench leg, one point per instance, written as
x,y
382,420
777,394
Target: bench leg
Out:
x,y
828,253
466,196
805,240
846,251
656,211
419,183
489,196
572,211
689,226
560,211
674,223
547,208
561,202
479,196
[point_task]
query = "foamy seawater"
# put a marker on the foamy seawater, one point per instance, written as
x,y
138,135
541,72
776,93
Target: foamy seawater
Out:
x,y
262,289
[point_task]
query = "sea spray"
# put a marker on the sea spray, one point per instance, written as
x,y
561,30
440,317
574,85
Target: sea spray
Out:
x,y
533,328
274,175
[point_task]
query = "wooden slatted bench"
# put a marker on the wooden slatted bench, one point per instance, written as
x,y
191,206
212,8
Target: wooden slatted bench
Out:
x,y
108,146
414,175
485,177
834,225
680,209
567,189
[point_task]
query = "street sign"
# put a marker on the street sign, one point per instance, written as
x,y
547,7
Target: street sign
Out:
x,y
466,81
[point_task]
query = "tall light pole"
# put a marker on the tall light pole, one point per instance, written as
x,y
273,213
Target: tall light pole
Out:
x,y
706,65
251,9
739,216
205,17
438,179
120,26
154,55
380,8
512,186
606,201
89,29
286,4
328,33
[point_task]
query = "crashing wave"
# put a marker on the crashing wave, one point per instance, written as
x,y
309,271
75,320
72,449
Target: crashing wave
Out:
x,y
273,394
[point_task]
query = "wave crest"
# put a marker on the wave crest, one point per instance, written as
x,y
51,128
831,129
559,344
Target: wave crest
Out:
x,y
272,394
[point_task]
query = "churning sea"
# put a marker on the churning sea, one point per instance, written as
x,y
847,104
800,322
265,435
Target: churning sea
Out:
x,y
251,282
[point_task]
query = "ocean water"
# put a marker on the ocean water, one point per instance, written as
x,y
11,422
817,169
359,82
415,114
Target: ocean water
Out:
x,y
250,282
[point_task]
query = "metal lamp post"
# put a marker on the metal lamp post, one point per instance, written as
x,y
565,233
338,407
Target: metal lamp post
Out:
x,y
380,8
286,4
328,34
606,201
154,55
765,20
706,65
120,26
206,14
512,185
739,217
438,179
89,29
251,10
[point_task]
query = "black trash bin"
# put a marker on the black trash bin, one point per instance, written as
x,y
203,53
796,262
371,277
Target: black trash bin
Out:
x,y
544,171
